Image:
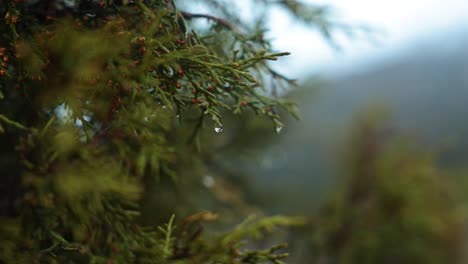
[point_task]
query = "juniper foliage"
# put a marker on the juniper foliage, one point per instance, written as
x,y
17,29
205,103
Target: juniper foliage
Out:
x,y
102,108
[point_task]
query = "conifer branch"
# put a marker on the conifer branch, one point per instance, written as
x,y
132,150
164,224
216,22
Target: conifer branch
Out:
x,y
131,67
12,122
223,22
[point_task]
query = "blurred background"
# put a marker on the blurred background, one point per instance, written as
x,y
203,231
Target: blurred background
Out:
x,y
378,160
413,63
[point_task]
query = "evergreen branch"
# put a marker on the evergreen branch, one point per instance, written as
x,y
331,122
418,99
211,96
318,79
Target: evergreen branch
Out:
x,y
218,20
265,255
167,232
85,129
124,56
46,127
276,74
12,122
145,9
255,227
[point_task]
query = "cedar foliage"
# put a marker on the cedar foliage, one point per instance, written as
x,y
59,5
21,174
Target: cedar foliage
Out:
x,y
104,103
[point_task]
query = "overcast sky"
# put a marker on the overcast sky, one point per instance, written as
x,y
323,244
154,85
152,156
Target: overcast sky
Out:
x,y
399,24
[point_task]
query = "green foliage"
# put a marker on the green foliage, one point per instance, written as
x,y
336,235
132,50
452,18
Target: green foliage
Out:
x,y
101,113
397,207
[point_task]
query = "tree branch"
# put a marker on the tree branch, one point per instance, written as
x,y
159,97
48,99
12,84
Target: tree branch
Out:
x,y
223,22
11,122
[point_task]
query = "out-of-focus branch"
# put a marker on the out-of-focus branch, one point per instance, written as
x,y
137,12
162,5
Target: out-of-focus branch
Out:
x,y
220,21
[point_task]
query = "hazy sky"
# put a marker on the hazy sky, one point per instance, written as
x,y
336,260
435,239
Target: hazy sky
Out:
x,y
399,24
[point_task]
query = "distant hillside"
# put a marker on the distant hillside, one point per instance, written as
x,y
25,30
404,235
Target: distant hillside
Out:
x,y
427,91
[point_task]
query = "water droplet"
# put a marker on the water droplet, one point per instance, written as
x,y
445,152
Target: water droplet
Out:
x,y
227,86
164,106
208,181
78,123
168,71
177,116
278,129
218,129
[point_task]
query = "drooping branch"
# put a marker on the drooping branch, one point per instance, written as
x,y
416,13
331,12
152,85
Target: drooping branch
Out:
x,y
220,21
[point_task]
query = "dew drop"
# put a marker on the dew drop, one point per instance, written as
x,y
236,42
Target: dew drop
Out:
x,y
168,71
78,123
227,86
278,129
218,129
